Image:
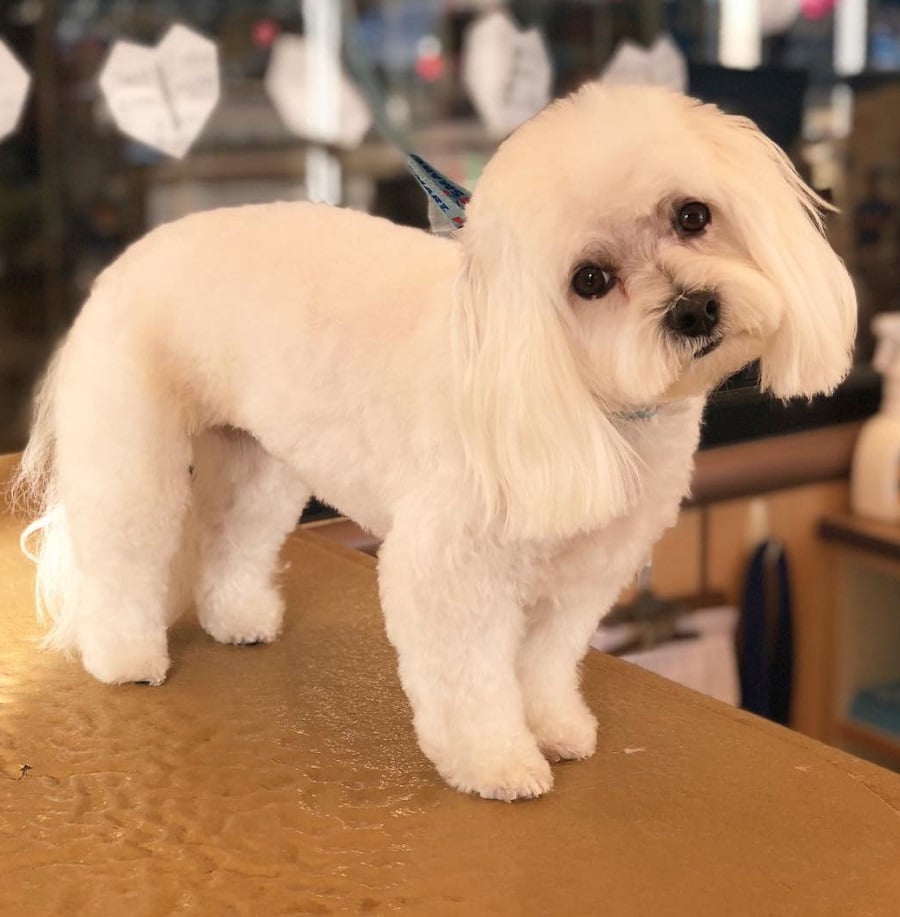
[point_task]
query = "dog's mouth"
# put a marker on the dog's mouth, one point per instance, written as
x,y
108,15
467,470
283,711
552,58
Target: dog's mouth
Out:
x,y
708,348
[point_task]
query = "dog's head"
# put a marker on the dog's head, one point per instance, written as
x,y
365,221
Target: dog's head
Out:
x,y
625,248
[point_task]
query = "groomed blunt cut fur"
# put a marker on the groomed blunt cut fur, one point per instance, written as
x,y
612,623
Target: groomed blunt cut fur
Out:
x,y
545,460
518,440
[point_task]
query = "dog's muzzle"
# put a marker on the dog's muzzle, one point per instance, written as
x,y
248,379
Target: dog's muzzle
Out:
x,y
694,315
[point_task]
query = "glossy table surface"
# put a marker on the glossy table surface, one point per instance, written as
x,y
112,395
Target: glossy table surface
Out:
x,y
286,780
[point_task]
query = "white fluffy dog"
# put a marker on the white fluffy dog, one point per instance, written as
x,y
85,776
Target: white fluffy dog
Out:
x,y
513,411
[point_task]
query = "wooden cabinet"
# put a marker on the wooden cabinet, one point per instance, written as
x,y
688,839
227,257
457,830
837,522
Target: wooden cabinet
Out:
x,y
709,549
864,650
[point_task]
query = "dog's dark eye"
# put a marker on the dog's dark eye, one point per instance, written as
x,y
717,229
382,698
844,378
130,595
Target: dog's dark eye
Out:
x,y
693,217
591,281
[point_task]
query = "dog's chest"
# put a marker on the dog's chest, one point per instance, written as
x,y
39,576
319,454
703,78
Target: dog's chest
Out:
x,y
665,445
609,556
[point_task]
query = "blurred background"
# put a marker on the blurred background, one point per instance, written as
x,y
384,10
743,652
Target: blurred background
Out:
x,y
77,186
119,115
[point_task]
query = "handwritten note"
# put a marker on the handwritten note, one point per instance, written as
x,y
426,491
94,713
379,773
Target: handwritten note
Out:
x,y
506,72
14,83
163,96
662,64
292,84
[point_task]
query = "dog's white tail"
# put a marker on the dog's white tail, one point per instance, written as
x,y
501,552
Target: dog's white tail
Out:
x,y
34,490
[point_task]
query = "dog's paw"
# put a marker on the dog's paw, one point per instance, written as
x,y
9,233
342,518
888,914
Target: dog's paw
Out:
x,y
245,621
522,776
123,660
572,737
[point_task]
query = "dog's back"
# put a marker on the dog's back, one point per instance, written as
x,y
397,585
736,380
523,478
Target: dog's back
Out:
x,y
244,318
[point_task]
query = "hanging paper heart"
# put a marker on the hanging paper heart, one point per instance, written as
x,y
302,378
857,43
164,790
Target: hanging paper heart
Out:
x,y
292,85
14,83
662,64
506,72
163,96
777,16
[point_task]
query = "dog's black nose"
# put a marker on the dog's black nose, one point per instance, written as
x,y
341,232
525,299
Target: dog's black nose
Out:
x,y
694,315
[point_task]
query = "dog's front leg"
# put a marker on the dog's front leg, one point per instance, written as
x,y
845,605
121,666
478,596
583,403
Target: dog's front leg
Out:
x,y
580,587
559,629
453,615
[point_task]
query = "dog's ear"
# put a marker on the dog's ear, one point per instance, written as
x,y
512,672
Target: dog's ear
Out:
x,y
781,218
546,459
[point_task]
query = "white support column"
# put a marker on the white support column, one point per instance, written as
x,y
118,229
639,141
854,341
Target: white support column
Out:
x,y
850,36
740,34
322,30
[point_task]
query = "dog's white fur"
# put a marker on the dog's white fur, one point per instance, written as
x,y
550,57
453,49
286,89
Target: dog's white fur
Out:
x,y
454,397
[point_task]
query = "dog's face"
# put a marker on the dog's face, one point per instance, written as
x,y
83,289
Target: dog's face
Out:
x,y
669,302
677,241
638,246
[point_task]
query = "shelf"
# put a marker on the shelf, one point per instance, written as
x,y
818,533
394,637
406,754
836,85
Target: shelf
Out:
x,y
884,743
878,538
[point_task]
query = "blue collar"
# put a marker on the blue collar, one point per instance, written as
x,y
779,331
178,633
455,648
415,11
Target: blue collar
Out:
x,y
642,414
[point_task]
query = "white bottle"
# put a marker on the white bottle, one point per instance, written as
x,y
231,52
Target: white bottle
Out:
x,y
875,477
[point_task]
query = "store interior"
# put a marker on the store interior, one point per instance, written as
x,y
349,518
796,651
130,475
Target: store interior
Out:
x,y
776,593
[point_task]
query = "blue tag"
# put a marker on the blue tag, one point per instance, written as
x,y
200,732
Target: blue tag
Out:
x,y
449,197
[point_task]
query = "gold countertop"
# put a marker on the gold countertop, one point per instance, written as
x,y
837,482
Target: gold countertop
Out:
x,y
286,780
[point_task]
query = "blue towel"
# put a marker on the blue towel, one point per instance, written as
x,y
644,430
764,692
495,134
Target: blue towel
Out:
x,y
879,707
766,640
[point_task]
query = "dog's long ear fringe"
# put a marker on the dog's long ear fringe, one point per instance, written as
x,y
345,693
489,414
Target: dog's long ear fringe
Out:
x,y
544,457
812,350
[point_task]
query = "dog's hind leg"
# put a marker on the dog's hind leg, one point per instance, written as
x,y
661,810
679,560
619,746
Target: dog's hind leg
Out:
x,y
122,460
245,504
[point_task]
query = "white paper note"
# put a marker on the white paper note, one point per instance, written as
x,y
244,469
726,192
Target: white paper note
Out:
x,y
662,64
294,98
506,72
14,83
163,96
